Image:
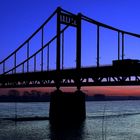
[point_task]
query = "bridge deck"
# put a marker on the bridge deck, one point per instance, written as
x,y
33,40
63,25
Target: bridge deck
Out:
x,y
90,76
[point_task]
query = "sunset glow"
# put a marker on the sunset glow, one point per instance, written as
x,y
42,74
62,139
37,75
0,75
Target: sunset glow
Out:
x,y
111,91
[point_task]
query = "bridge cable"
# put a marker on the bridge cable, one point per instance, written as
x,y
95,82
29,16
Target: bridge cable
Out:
x,y
27,40
29,57
48,56
108,27
62,50
118,45
122,46
42,43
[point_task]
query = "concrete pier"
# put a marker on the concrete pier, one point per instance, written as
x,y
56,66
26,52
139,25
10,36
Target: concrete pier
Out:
x,y
67,108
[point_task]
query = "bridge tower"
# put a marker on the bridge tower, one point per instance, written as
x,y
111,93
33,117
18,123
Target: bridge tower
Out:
x,y
68,108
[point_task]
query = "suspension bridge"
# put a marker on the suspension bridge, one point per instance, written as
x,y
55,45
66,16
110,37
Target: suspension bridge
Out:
x,y
16,70
123,72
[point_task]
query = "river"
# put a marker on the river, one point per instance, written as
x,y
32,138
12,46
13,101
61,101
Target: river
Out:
x,y
106,120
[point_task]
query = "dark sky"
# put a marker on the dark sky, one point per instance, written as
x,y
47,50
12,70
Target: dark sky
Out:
x,y
20,18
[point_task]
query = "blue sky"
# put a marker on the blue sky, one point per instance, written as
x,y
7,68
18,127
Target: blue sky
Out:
x,y
19,19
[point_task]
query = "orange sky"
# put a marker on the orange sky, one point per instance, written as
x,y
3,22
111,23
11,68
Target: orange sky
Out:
x,y
123,90
116,90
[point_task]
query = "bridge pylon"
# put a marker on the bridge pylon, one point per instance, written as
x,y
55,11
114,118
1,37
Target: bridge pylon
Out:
x,y
67,108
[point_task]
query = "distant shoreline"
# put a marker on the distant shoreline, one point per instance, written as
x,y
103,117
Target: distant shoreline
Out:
x,y
36,96
86,101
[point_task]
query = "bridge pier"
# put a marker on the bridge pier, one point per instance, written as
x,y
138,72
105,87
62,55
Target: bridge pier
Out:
x,y
67,108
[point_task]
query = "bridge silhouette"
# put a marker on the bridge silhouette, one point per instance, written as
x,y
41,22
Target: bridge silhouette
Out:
x,y
99,75
67,107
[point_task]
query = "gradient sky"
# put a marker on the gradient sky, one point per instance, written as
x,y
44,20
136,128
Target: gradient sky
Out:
x,y
20,18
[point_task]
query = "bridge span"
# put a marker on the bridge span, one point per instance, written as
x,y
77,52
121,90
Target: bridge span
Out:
x,y
16,72
89,76
19,74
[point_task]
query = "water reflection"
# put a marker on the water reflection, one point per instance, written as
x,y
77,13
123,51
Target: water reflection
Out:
x,y
67,132
121,122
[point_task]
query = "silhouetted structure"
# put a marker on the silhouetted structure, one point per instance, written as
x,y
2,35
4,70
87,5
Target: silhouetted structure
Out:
x,y
79,76
67,108
26,96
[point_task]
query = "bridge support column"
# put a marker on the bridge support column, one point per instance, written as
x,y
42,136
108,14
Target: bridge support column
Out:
x,y
67,108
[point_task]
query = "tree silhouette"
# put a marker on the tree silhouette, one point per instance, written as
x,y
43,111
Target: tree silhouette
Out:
x,y
13,93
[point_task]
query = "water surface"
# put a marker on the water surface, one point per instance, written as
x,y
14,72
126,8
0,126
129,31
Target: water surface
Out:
x,y
109,120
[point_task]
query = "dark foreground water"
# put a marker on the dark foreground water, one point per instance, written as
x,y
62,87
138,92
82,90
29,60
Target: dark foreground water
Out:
x,y
110,120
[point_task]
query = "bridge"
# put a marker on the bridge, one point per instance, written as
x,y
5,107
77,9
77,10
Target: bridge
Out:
x,y
20,74
16,71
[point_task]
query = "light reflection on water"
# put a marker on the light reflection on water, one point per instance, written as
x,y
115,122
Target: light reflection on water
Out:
x,y
96,127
